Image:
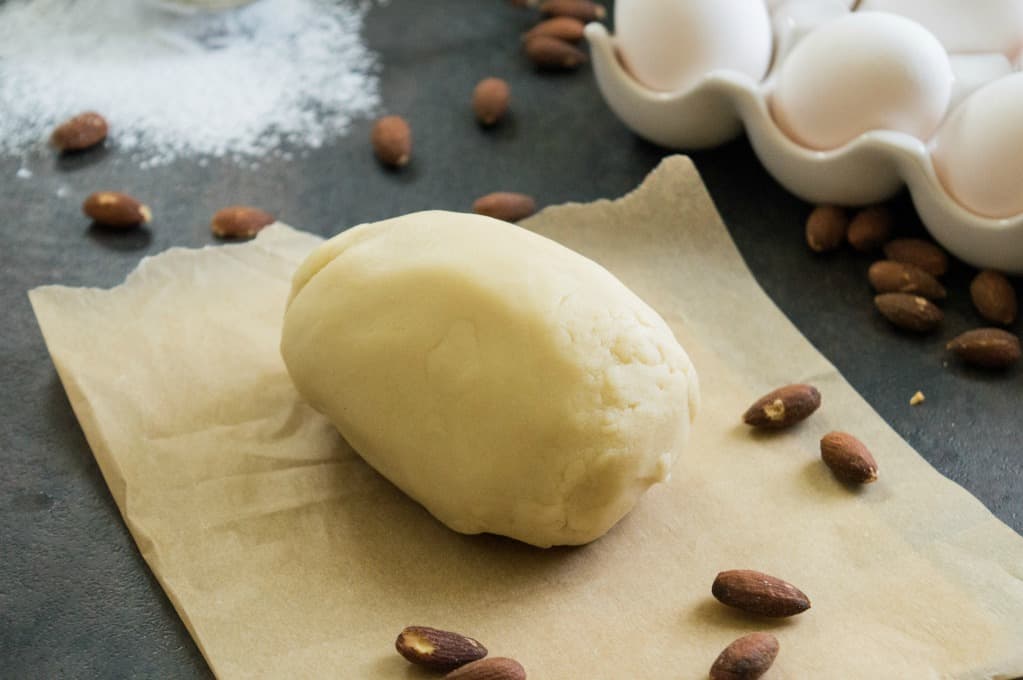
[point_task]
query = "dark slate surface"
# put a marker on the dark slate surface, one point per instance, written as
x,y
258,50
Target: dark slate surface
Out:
x,y
77,600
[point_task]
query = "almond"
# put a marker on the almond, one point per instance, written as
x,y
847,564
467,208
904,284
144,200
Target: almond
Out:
x,y
888,276
759,593
909,312
748,658
562,28
81,132
505,205
552,53
870,228
783,407
490,100
848,458
438,650
987,347
114,209
496,668
392,141
923,254
239,221
583,10
994,297
825,228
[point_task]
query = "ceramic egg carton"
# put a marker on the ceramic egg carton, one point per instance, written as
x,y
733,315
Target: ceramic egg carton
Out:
x,y
843,102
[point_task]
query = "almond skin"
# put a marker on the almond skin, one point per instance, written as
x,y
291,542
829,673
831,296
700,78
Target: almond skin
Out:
x,y
909,312
923,254
505,205
568,29
495,668
825,228
490,100
758,593
583,10
783,407
870,228
849,460
114,209
994,297
551,53
748,658
438,650
81,132
986,347
392,141
239,221
888,276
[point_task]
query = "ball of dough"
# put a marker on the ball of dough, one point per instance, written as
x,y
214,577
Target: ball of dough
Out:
x,y
503,381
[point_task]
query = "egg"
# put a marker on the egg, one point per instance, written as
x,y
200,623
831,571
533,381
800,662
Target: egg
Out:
x,y
863,71
670,44
974,26
978,153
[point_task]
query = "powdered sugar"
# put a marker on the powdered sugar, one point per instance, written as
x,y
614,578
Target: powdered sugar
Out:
x,y
278,73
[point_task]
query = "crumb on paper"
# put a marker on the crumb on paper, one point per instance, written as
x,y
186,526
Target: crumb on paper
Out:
x,y
917,398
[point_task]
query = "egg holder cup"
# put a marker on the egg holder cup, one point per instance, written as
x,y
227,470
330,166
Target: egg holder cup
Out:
x,y
868,169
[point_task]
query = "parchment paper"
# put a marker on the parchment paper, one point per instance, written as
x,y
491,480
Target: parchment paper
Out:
x,y
287,556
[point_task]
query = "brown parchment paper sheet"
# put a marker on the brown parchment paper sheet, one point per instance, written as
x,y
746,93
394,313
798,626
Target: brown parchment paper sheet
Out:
x,y
288,557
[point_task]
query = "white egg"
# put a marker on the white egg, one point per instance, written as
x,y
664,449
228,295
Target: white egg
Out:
x,y
963,25
978,153
863,71
670,44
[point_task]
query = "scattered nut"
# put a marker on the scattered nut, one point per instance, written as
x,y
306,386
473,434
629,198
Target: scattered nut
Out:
x,y
783,407
748,658
986,347
552,53
81,132
392,141
114,209
909,312
870,228
917,398
505,205
496,668
583,10
759,593
825,228
923,254
888,276
438,650
568,29
239,221
848,458
994,297
490,100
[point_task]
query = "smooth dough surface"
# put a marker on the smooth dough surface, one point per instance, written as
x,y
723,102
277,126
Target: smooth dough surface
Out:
x,y
503,381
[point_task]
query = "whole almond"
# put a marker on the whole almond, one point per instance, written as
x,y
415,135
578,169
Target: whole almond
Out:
x,y
909,312
986,347
825,228
495,668
888,276
239,221
783,407
994,297
438,650
81,132
392,141
583,10
748,658
758,593
490,100
870,228
505,205
551,53
562,28
114,209
848,458
923,254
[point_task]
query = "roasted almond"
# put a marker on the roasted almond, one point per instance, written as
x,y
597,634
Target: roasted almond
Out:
x,y
496,668
81,132
239,221
888,276
759,593
994,297
825,228
783,407
748,658
923,254
114,209
438,650
870,228
986,347
909,312
505,205
583,10
392,141
551,53
848,458
562,28
490,100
